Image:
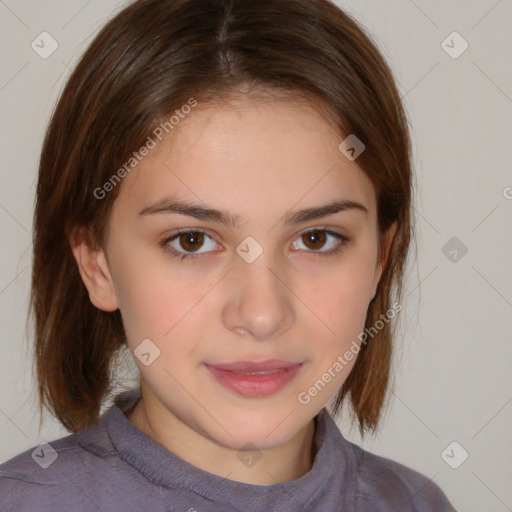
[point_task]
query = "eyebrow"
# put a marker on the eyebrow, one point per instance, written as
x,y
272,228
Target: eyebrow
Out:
x,y
171,205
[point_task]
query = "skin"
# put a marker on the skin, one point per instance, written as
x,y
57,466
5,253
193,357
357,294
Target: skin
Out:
x,y
257,159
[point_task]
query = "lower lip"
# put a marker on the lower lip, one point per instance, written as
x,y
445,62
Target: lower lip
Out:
x,y
255,385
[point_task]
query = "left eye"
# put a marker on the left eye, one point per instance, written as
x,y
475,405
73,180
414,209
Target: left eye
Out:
x,y
192,240
316,239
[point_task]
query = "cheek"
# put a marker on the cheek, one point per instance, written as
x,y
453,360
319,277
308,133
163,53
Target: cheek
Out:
x,y
164,305
152,296
153,308
342,302
168,315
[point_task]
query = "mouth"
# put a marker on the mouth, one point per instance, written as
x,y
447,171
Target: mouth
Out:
x,y
255,379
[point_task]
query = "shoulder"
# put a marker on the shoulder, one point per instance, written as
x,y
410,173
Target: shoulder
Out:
x,y
53,475
384,484
29,479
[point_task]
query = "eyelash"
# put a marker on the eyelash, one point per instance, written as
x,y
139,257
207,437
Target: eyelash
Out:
x,y
190,256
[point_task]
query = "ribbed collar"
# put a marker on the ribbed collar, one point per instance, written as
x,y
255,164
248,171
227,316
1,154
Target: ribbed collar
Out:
x,y
333,472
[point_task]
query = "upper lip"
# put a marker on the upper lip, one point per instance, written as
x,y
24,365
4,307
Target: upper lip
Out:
x,y
256,366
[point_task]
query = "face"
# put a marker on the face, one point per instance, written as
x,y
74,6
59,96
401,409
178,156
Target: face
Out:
x,y
274,284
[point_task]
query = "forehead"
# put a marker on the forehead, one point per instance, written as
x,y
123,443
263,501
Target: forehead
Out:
x,y
251,154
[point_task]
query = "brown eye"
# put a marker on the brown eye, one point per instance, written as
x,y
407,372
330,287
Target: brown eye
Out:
x,y
314,239
191,240
188,243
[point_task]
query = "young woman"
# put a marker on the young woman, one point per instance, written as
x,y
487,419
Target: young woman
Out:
x,y
225,189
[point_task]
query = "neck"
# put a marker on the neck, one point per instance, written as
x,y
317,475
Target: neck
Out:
x,y
283,463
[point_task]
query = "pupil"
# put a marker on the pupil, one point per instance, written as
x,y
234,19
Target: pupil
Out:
x,y
191,239
315,237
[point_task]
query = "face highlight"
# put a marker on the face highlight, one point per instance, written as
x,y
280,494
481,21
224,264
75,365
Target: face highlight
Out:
x,y
220,251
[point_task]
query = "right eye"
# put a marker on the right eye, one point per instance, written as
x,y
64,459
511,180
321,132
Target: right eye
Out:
x,y
188,240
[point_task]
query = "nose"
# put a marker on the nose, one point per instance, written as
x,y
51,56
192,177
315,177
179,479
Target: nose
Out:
x,y
258,301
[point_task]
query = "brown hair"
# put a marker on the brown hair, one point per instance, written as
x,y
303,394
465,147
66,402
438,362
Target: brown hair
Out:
x,y
148,61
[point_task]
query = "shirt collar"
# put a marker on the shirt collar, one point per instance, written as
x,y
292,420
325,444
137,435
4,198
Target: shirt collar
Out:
x,y
333,470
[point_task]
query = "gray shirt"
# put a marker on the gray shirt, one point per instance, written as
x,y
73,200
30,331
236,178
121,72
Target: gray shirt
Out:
x,y
113,466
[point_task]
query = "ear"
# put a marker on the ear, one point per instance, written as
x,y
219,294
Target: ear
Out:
x,y
382,258
93,267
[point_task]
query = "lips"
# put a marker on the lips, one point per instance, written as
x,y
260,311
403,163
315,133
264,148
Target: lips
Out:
x,y
255,379
267,366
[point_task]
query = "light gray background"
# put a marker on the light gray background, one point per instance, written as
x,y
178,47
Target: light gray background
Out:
x,y
453,373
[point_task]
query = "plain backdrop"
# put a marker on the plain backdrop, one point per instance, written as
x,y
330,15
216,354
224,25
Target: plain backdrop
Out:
x,y
452,396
